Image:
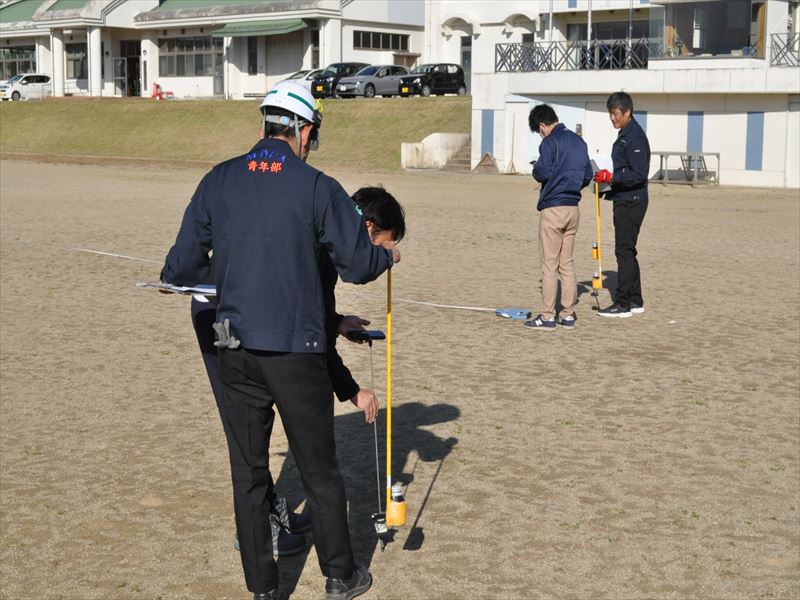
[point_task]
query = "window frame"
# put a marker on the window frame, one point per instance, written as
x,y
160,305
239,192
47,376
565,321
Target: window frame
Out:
x,y
176,53
76,60
380,40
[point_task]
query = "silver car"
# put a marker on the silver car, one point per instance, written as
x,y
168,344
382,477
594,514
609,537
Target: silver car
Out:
x,y
375,80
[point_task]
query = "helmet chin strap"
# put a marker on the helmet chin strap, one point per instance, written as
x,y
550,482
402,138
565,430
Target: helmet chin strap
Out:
x,y
285,122
297,137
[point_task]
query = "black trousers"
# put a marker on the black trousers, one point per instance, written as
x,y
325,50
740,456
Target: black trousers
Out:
x,y
628,217
299,385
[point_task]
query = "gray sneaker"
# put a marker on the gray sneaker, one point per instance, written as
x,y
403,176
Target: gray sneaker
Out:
x,y
283,542
291,521
346,589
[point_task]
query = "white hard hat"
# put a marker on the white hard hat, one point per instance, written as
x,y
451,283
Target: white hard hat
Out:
x,y
293,97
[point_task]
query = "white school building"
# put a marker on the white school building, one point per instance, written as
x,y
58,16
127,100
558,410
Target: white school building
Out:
x,y
707,76
199,48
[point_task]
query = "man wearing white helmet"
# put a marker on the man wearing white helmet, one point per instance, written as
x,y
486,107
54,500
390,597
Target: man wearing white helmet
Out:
x,y
269,217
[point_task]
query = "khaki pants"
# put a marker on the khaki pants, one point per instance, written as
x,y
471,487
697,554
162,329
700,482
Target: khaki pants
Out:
x,y
557,228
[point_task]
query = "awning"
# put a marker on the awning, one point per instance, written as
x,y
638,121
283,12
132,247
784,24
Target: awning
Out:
x,y
253,28
19,11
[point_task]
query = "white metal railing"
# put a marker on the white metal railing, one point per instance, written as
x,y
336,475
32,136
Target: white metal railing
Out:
x,y
576,56
785,50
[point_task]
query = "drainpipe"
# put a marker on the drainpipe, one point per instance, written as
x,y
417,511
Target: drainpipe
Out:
x,y
589,28
550,22
630,34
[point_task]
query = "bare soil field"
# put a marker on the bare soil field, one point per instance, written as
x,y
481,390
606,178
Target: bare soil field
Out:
x,y
652,457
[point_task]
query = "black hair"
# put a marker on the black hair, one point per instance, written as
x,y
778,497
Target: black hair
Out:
x,y
541,115
620,100
276,129
380,207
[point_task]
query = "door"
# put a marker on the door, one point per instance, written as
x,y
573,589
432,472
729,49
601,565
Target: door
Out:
x,y
466,59
382,81
393,80
47,87
452,78
32,87
130,51
41,84
134,83
439,79
120,77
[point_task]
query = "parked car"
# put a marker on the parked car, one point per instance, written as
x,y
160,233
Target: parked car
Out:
x,y
304,78
372,81
324,84
435,78
24,87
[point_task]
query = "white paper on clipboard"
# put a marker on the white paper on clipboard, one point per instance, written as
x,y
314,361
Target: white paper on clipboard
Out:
x,y
602,162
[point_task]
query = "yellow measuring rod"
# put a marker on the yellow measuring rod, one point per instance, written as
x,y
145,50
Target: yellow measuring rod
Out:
x,y
597,250
395,502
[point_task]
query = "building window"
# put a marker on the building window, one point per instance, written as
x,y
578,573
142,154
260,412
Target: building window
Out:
x,y
712,28
374,40
252,55
76,61
189,57
16,60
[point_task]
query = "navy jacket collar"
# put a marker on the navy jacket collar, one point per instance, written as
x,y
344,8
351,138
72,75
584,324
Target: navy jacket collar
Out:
x,y
273,144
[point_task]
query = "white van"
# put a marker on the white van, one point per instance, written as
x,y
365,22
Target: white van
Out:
x,y
25,87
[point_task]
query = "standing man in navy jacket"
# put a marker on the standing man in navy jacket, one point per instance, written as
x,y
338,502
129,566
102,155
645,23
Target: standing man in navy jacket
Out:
x,y
563,169
269,216
631,156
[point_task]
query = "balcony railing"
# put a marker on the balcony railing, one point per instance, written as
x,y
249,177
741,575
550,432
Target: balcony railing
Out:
x,y
576,56
785,50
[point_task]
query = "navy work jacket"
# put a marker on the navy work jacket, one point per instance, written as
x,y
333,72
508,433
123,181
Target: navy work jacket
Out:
x,y
268,217
631,156
563,168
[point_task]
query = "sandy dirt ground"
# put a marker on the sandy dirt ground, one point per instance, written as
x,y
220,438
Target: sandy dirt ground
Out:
x,y
653,457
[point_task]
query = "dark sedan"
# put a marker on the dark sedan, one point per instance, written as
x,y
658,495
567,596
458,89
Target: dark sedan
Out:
x,y
324,84
435,78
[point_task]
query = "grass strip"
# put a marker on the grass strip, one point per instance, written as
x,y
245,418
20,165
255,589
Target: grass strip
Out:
x,y
359,133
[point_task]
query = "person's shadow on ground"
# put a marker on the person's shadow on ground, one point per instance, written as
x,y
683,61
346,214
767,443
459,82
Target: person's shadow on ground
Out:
x,y
355,446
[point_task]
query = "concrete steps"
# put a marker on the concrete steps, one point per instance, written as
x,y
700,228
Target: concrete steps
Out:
x,y
461,161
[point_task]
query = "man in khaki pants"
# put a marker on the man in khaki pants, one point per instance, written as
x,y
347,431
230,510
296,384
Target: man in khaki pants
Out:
x,y
563,169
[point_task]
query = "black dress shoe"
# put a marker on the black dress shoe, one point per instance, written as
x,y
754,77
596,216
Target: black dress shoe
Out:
x,y
346,589
273,595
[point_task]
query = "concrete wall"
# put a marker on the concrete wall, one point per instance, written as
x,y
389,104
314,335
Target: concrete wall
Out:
x,y
377,57
284,56
433,152
123,13
406,12
724,130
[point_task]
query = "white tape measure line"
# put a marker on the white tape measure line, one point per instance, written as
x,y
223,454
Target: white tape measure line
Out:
x,y
475,308
158,262
432,304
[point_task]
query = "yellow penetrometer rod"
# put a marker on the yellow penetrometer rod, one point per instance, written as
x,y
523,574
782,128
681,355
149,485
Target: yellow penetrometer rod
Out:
x,y
388,387
597,251
599,246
